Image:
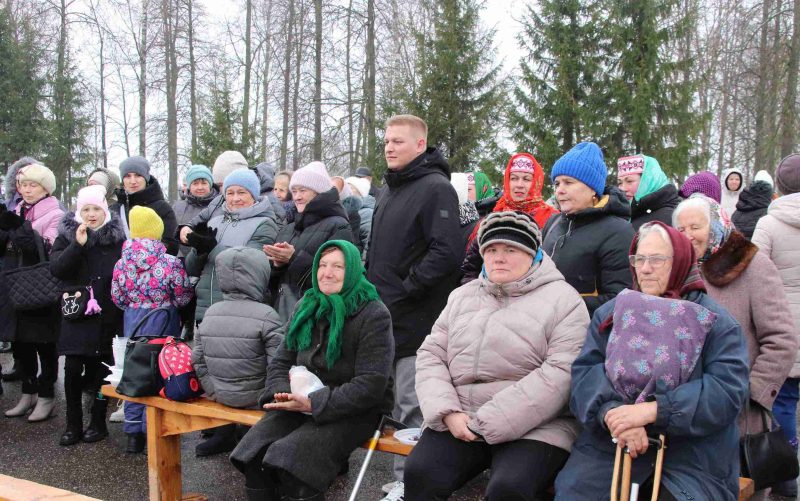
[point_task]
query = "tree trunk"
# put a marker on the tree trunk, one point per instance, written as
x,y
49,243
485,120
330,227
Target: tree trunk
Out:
x,y
248,65
761,91
171,78
349,82
192,81
789,108
287,80
102,57
369,93
318,80
142,50
296,93
772,116
267,60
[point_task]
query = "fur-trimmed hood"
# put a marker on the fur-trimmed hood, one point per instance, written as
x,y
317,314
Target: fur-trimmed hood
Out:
x,y
109,234
730,260
10,181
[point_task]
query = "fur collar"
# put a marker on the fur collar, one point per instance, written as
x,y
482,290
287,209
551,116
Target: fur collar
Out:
x,y
109,234
730,260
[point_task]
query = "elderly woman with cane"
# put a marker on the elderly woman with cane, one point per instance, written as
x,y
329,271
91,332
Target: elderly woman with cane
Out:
x,y
663,358
342,333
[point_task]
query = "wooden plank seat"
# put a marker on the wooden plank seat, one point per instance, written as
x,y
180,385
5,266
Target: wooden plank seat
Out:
x,y
167,420
17,489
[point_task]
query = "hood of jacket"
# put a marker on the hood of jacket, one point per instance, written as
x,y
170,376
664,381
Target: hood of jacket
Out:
x,y
540,274
142,253
266,176
724,181
430,162
10,181
352,204
729,261
243,274
368,201
756,196
201,201
324,205
151,193
109,234
786,209
612,203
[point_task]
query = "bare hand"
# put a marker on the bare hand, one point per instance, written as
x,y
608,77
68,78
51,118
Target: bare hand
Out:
x,y
81,235
635,440
289,402
626,417
185,233
457,424
281,252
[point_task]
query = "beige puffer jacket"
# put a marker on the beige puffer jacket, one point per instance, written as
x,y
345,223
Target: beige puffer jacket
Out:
x,y
503,354
778,235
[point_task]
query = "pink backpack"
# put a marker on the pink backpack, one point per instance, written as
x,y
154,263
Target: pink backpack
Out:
x,y
175,364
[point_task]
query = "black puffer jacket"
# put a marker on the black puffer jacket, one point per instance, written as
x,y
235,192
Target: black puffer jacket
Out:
x,y
83,265
323,219
657,206
415,247
151,196
752,206
590,248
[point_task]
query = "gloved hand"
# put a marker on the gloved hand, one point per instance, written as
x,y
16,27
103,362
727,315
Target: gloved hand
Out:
x,y
9,220
202,238
24,238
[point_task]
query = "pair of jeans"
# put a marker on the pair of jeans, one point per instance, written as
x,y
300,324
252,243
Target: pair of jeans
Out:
x,y
785,409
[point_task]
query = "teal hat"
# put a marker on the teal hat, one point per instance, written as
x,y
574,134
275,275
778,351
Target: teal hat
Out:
x,y
196,172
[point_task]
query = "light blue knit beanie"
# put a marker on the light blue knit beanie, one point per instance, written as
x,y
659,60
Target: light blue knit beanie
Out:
x,y
196,172
245,178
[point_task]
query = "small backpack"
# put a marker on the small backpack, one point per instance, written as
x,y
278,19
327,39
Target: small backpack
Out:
x,y
175,364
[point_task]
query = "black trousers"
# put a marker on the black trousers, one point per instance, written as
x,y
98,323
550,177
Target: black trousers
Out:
x,y
440,464
29,356
82,373
257,476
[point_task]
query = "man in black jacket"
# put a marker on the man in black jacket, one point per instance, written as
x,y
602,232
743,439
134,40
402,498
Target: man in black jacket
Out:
x,y
414,253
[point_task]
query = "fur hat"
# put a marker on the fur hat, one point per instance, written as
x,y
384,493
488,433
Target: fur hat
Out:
x,y
145,223
38,173
313,176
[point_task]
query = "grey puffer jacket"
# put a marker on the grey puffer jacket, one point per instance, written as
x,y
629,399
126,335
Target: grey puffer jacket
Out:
x,y
366,219
253,227
239,335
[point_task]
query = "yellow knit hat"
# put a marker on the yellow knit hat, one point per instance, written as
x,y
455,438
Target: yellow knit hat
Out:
x,y
145,223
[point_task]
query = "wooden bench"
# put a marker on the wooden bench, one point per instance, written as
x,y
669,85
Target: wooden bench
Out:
x,y
167,420
17,489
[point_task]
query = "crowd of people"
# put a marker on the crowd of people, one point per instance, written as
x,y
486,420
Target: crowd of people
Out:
x,y
524,336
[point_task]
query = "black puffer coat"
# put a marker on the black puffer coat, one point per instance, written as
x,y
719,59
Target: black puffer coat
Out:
x,y
590,248
323,219
83,265
752,206
415,248
151,196
657,206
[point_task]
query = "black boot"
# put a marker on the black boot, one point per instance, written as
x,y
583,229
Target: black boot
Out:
x,y
74,422
223,440
136,442
97,429
262,494
296,490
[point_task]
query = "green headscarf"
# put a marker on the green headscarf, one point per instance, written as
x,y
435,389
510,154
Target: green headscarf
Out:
x,y
314,306
653,178
483,187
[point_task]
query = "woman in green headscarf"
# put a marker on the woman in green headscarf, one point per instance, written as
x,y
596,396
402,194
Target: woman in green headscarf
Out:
x,y
647,188
342,333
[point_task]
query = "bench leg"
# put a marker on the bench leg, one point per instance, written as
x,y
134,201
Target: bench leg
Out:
x,y
163,459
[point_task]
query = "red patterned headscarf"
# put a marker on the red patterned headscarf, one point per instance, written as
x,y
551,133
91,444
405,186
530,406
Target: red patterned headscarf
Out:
x,y
534,204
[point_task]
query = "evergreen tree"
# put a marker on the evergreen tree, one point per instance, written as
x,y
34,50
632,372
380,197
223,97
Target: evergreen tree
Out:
x,y
551,110
219,128
21,118
457,94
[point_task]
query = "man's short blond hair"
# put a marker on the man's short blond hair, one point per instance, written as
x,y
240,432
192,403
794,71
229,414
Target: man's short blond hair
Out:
x,y
415,122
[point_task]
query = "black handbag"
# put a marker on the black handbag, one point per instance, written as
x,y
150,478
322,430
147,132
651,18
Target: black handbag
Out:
x,y
767,457
33,287
141,376
74,301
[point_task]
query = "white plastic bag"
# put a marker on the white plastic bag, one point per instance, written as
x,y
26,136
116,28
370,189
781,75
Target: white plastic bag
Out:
x,y
302,381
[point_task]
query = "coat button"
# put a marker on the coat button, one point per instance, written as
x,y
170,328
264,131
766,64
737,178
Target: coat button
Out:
x,y
773,392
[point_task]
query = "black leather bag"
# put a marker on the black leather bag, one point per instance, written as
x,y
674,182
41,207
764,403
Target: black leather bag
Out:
x,y
33,287
141,376
767,458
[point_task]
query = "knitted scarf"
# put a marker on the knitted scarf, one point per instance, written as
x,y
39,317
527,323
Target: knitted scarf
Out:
x,y
335,308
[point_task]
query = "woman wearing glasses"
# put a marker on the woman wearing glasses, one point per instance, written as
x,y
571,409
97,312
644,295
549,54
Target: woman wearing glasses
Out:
x,y
747,284
663,358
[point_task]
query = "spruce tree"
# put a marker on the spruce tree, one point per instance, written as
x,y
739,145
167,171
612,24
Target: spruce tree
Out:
x,y
457,93
219,128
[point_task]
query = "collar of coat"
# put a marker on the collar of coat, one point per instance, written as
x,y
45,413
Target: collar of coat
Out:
x,y
108,234
730,260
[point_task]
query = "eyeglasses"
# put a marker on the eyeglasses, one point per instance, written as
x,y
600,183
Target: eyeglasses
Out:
x,y
656,261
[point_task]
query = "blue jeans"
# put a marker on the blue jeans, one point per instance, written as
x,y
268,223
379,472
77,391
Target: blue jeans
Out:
x,y
135,418
785,409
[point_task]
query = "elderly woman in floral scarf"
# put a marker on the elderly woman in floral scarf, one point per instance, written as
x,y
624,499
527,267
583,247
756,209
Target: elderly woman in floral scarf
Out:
x,y
341,332
662,358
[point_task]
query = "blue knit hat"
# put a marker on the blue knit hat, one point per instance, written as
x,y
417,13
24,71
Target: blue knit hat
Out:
x,y
245,178
196,172
585,163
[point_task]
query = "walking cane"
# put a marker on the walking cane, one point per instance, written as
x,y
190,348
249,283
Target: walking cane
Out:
x,y
373,443
625,488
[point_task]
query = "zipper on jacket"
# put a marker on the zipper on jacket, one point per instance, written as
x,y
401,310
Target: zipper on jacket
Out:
x,y
478,355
